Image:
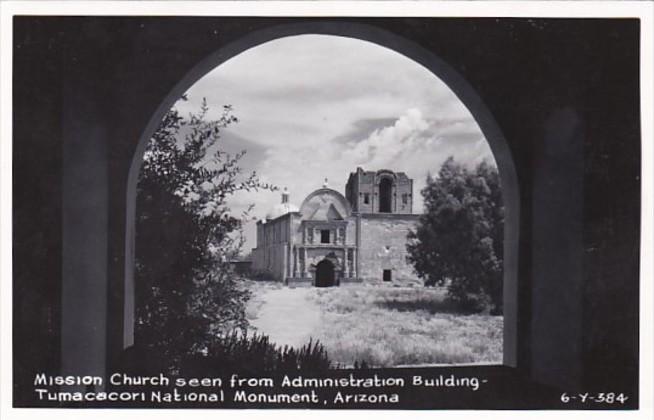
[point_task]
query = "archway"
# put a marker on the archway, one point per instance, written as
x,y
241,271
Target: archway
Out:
x,y
466,94
325,274
385,195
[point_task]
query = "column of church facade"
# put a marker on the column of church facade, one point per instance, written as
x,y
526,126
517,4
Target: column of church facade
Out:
x,y
294,261
350,262
304,267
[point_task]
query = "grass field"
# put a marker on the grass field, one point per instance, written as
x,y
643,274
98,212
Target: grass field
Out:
x,y
395,326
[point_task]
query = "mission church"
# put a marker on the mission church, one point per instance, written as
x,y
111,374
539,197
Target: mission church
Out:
x,y
333,239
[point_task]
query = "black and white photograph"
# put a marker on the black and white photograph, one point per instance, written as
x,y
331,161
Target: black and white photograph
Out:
x,y
317,176
239,208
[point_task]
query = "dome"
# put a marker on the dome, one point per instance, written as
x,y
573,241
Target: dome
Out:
x,y
282,208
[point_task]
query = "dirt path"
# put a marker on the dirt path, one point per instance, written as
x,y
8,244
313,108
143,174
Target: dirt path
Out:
x,y
288,316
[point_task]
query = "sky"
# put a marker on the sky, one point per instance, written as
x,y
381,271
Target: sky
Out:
x,y
312,107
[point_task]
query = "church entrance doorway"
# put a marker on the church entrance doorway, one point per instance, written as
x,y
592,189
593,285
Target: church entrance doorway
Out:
x,y
325,274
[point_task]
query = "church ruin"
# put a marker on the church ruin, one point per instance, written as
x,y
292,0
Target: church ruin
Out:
x,y
333,239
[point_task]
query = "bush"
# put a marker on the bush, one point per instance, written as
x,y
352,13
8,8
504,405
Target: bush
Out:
x,y
459,239
255,353
187,293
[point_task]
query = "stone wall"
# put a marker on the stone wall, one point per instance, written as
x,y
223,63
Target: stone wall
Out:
x,y
383,247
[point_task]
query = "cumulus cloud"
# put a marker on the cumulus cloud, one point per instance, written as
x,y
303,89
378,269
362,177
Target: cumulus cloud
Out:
x,y
387,144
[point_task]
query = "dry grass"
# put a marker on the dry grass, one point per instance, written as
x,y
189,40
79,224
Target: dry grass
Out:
x,y
394,326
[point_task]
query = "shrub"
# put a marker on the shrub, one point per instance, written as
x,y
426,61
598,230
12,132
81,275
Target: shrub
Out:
x,y
255,353
459,239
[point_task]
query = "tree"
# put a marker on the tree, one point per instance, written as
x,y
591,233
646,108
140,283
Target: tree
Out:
x,y
187,294
458,240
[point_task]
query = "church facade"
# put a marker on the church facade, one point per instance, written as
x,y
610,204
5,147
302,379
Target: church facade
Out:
x,y
333,239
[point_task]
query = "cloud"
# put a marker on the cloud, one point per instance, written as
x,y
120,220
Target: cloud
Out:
x,y
313,106
387,144
410,144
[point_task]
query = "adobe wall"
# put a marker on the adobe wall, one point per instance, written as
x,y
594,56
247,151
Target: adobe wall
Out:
x,y
272,241
276,260
383,247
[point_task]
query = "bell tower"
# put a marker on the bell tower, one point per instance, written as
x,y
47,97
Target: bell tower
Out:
x,y
382,191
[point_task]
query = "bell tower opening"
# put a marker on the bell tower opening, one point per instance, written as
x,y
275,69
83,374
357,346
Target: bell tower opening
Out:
x,y
385,195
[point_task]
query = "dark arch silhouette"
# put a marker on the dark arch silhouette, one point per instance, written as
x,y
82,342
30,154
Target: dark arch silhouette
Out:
x,y
411,50
385,195
325,274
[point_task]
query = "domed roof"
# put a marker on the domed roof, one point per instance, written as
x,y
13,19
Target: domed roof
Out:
x,y
282,208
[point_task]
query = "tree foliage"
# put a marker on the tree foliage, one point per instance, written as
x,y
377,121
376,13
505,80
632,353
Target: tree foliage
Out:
x,y
459,239
187,294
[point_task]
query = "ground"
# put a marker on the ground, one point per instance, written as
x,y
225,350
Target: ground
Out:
x,y
288,316
381,325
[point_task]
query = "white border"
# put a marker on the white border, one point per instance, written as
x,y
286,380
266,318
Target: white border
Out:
x,y
647,212
642,10
409,8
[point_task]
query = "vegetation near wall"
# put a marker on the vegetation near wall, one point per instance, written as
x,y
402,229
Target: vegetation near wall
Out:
x,y
459,239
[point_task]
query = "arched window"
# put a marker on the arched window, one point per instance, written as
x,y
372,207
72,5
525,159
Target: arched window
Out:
x,y
385,195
